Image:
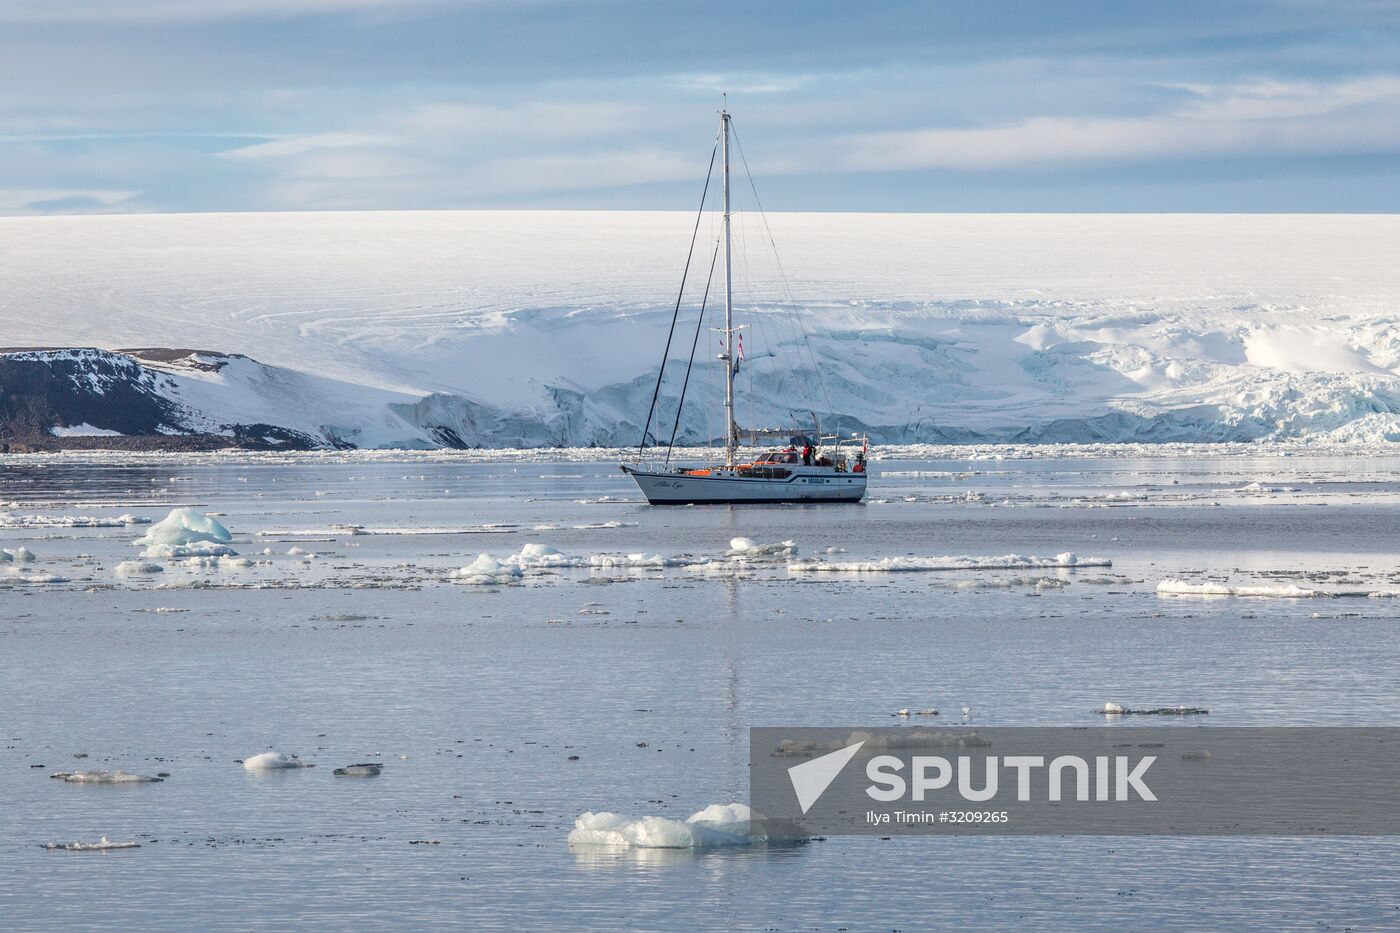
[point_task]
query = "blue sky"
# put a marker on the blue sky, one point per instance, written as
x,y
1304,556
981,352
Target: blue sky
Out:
x,y
199,105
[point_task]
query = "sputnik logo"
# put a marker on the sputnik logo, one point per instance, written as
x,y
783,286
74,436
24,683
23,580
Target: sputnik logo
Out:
x,y
811,778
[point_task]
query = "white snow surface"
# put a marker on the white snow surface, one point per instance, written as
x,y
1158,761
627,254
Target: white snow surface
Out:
x,y
82,430
528,328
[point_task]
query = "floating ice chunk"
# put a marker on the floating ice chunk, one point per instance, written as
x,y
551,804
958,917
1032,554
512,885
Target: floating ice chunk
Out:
x,y
1175,587
41,578
185,526
274,761
20,555
104,777
716,825
1257,488
750,549
102,845
541,555
487,571
587,526
8,520
1039,583
638,559
906,711
1178,710
928,564
185,551
216,562
364,769
138,566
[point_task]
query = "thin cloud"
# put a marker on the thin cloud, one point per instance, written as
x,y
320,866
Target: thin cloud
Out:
x,y
1245,120
63,201
155,11
291,146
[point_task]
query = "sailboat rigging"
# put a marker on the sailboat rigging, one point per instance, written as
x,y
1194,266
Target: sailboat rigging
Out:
x,y
821,469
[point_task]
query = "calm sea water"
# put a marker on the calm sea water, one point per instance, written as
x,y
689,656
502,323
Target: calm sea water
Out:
x,y
478,698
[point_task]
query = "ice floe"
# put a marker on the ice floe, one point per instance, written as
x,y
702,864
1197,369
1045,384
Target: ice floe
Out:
x,y
131,567
8,520
748,548
716,825
364,769
216,562
1257,488
38,578
102,845
487,571
1113,709
1038,583
186,551
274,761
587,526
1177,587
104,777
638,559
20,555
927,564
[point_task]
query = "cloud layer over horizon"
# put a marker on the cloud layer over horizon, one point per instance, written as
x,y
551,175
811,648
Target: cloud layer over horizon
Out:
x,y
210,105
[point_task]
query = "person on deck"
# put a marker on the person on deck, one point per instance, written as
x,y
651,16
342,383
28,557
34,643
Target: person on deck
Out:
x,y
807,455
860,463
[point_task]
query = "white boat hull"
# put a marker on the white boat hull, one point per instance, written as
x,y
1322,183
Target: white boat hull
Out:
x,y
806,484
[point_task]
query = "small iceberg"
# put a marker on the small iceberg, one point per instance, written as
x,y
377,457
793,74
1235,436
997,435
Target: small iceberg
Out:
x,y
716,825
20,555
534,556
364,769
274,761
183,527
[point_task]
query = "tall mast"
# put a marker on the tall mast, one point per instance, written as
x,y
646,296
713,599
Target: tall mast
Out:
x,y
731,438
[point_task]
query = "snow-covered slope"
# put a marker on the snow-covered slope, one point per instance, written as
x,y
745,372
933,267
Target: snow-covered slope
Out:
x,y
541,328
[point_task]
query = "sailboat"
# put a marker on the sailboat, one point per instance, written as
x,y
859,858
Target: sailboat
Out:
x,y
819,468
